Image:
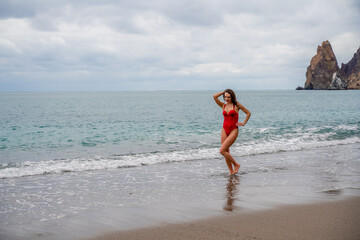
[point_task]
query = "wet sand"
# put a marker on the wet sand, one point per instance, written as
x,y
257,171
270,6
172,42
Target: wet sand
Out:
x,y
338,219
194,200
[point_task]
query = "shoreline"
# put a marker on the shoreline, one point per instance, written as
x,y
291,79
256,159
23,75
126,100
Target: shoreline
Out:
x,y
334,219
181,193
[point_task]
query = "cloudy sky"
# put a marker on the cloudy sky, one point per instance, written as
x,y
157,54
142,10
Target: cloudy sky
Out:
x,y
65,45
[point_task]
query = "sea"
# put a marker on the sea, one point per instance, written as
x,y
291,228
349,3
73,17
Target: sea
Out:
x,y
66,156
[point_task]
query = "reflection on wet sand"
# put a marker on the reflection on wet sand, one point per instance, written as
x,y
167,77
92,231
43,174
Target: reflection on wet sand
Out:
x,y
231,193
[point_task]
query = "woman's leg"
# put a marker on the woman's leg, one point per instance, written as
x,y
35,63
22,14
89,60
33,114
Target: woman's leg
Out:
x,y
228,163
227,141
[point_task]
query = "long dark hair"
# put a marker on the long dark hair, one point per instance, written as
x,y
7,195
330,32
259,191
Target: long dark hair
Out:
x,y
232,95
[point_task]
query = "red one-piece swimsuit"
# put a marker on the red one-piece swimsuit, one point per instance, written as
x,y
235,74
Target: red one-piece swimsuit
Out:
x,y
230,120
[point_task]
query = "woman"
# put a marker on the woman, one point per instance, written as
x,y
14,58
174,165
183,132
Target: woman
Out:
x,y
230,129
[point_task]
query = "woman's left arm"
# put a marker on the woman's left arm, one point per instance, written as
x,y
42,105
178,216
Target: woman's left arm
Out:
x,y
247,112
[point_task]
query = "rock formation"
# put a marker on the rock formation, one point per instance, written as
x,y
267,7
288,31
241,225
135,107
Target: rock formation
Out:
x,y
323,71
337,82
351,71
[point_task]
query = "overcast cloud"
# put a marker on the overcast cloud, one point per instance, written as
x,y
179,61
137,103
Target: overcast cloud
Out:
x,y
155,45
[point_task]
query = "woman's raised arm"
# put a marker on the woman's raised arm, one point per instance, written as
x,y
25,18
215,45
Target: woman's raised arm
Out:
x,y
216,98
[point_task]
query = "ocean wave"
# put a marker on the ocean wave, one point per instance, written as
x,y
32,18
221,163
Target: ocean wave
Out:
x,y
59,166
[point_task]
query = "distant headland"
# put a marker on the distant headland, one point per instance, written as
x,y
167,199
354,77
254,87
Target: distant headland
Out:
x,y
323,73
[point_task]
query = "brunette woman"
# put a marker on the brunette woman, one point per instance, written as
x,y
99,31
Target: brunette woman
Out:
x,y
230,129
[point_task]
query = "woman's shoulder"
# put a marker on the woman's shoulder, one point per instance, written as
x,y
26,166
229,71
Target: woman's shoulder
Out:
x,y
239,106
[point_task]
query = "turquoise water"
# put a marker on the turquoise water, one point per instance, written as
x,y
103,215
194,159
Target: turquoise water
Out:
x,y
45,133
76,164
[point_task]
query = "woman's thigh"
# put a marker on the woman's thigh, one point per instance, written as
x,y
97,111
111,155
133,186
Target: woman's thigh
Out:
x,y
223,136
227,141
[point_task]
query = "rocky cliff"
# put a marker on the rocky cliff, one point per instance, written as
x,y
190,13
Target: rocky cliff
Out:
x,y
323,72
351,71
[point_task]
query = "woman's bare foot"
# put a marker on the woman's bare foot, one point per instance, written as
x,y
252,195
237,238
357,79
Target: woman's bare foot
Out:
x,y
236,169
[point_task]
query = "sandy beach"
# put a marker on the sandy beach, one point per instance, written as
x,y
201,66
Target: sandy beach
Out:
x,y
328,220
287,195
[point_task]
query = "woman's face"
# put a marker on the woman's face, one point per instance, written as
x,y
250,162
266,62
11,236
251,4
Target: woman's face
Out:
x,y
227,97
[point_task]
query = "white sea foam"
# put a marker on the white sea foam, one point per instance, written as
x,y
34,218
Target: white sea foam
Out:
x,y
283,143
